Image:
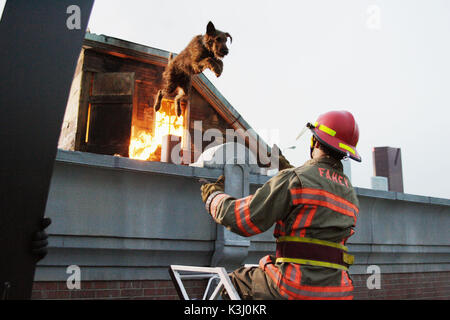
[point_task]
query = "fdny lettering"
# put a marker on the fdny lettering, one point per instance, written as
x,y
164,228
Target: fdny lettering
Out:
x,y
333,176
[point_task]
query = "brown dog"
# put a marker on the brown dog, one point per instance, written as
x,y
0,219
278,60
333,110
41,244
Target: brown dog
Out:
x,y
203,52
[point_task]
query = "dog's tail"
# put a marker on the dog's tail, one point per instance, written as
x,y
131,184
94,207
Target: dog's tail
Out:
x,y
170,57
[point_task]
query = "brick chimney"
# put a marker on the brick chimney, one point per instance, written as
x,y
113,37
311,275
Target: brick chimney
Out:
x,y
387,162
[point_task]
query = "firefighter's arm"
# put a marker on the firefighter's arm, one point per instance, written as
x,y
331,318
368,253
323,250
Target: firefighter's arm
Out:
x,y
256,213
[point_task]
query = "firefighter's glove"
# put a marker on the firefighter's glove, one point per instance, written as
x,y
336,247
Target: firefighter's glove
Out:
x,y
208,188
39,242
283,163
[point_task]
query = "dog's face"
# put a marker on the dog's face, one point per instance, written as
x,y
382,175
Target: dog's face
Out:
x,y
216,41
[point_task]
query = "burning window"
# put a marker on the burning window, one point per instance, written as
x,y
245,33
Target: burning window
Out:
x,y
146,144
116,117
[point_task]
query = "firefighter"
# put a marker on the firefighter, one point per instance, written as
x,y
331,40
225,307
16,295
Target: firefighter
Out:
x,y
314,208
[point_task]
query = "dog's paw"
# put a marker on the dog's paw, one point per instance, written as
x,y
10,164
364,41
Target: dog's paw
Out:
x,y
197,68
218,70
158,99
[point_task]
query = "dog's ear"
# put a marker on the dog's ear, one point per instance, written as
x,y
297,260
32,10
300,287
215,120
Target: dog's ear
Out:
x,y
210,29
229,36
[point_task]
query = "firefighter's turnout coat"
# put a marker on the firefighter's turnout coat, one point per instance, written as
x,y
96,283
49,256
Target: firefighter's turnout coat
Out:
x,y
315,209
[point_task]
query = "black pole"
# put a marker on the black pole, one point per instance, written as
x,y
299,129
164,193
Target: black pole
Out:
x,y
40,42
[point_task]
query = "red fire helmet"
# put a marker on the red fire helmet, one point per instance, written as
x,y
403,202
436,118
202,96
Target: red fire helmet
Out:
x,y
339,131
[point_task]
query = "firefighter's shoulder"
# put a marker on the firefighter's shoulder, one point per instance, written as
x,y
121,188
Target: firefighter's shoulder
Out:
x,y
285,175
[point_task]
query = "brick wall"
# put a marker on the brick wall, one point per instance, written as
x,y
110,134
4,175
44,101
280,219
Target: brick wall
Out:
x,y
396,286
151,290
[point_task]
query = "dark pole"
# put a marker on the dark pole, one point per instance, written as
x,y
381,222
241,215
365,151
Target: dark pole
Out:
x,y
40,42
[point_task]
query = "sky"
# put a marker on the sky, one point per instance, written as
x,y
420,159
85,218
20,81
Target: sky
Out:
x,y
387,62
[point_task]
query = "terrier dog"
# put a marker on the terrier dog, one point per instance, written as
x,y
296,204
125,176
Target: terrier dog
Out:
x,y
203,52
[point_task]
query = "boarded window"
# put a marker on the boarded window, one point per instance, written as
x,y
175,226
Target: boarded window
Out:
x,y
109,113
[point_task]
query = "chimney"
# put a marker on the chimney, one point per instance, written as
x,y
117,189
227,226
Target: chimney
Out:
x,y
388,163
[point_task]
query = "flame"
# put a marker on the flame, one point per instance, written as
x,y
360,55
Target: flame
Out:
x,y
143,145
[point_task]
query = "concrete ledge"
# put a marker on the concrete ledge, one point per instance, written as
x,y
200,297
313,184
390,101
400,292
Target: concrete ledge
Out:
x,y
401,196
148,258
121,163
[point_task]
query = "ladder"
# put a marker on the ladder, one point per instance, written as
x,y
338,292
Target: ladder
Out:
x,y
179,273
